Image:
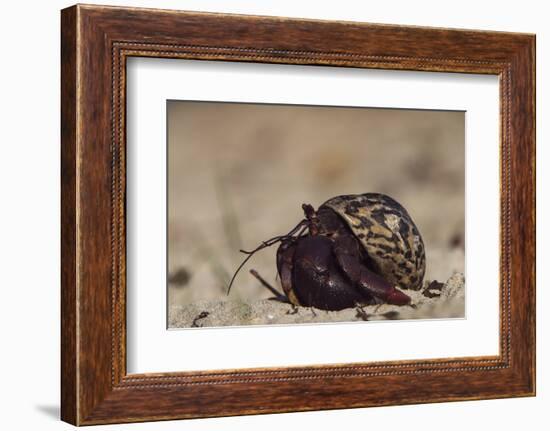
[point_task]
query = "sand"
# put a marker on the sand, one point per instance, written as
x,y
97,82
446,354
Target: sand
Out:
x,y
443,301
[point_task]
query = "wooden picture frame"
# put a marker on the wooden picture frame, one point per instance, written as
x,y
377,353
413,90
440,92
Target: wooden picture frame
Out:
x,y
95,43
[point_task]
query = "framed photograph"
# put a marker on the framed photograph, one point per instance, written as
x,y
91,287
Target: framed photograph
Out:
x,y
324,214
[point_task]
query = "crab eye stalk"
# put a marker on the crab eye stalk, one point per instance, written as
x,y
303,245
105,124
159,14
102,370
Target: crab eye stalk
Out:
x,y
309,211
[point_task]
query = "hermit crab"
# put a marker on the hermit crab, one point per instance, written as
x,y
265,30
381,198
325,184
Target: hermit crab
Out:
x,y
354,250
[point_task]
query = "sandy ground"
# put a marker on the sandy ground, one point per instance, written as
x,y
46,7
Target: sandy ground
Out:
x,y
445,301
238,174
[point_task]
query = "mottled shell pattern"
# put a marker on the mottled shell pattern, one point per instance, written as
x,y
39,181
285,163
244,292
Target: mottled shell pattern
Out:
x,y
388,234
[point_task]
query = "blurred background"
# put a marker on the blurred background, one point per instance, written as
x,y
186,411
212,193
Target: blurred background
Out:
x,y
239,173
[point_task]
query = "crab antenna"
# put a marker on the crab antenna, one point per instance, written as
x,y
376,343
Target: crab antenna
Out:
x,y
237,271
263,245
276,239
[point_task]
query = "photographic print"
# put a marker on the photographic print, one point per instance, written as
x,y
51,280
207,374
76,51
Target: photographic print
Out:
x,y
267,195
290,214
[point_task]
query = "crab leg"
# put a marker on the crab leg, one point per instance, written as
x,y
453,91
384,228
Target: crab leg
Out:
x,y
346,251
285,257
277,295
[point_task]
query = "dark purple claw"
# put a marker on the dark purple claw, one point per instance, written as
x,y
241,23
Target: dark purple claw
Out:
x,y
347,252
